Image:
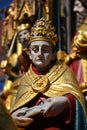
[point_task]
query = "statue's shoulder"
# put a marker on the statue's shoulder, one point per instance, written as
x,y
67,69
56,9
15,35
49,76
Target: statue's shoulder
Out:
x,y
61,66
24,78
66,73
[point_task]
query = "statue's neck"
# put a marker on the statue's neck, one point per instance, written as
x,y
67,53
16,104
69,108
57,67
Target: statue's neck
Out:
x,y
42,71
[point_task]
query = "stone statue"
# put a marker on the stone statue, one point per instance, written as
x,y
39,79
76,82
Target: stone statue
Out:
x,y
48,94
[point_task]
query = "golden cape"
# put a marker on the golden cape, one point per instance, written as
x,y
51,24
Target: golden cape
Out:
x,y
59,81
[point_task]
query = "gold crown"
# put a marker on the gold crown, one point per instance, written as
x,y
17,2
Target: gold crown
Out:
x,y
43,30
23,26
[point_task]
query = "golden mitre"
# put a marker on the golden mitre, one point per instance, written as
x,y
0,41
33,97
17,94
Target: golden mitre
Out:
x,y
43,30
23,26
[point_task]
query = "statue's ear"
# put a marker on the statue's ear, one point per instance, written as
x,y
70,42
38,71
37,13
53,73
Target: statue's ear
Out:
x,y
30,54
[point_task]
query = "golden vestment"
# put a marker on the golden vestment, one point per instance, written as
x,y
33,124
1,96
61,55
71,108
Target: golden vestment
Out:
x,y
60,80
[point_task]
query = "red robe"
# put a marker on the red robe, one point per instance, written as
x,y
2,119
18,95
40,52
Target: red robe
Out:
x,y
76,66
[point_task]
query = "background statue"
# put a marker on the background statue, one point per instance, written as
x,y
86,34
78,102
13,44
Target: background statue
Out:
x,y
80,9
23,58
77,58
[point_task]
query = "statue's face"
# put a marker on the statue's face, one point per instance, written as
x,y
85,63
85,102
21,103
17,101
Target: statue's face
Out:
x,y
41,53
22,36
80,11
78,7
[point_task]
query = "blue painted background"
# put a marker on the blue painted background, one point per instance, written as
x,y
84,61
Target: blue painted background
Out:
x,y
4,3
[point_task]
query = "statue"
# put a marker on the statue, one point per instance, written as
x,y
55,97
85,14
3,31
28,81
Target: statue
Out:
x,y
80,8
77,58
23,32
23,58
48,93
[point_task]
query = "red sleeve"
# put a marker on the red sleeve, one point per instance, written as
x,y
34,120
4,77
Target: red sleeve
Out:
x,y
70,111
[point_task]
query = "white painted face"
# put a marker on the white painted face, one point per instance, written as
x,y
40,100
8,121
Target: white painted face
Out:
x,y
78,7
81,13
22,36
41,53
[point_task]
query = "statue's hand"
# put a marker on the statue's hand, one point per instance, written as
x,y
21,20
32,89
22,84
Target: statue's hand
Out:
x,y
54,106
20,117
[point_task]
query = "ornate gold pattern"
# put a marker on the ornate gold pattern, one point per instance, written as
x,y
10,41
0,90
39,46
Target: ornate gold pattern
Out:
x,y
43,30
41,84
80,40
27,8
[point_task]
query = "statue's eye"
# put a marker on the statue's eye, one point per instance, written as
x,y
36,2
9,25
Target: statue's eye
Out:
x,y
46,49
35,49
